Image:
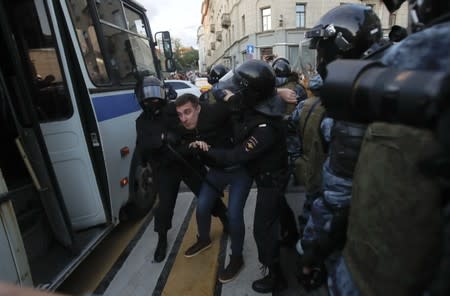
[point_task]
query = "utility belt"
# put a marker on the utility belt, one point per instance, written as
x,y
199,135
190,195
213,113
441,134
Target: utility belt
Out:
x,y
227,169
346,143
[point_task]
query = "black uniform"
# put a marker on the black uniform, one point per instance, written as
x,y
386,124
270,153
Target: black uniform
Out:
x,y
261,147
168,169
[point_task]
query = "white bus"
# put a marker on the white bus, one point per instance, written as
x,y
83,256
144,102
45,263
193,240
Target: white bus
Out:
x,y
67,112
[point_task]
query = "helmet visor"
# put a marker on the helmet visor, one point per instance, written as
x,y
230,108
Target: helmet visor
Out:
x,y
313,36
307,57
231,82
153,91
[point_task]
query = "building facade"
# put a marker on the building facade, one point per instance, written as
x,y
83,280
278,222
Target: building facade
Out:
x,y
233,31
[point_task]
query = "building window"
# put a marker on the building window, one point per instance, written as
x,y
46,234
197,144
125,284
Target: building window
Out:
x,y
266,53
266,19
392,19
243,25
293,55
300,15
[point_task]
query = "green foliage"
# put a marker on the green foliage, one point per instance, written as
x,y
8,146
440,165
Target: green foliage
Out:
x,y
185,58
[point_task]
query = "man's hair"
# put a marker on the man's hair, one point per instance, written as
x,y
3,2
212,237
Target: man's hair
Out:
x,y
186,98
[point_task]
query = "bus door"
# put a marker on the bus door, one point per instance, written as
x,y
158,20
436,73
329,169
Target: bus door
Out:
x,y
114,43
46,66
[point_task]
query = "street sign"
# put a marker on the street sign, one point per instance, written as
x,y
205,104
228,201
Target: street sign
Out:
x,y
250,49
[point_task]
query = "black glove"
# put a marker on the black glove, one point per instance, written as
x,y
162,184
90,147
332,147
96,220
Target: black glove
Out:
x,y
218,93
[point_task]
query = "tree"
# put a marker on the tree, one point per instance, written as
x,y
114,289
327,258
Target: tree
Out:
x,y
186,58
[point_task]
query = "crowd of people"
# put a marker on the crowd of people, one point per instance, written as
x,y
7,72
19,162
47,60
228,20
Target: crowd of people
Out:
x,y
373,222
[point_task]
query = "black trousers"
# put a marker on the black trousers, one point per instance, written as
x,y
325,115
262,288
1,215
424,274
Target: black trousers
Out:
x,y
169,177
266,224
287,217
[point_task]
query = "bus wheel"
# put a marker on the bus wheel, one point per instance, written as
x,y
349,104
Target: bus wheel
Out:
x,y
142,191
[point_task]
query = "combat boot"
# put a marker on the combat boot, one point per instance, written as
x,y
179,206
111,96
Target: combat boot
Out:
x,y
161,248
272,282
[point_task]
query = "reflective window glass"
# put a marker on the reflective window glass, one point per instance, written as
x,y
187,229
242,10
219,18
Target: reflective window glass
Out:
x,y
38,47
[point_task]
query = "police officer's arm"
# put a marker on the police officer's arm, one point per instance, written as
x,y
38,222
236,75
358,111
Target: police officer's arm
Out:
x,y
262,138
287,95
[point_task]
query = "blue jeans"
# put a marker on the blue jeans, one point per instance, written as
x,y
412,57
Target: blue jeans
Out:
x,y
240,183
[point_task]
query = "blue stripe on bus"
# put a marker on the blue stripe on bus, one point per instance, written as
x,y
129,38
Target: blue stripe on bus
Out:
x,y
114,106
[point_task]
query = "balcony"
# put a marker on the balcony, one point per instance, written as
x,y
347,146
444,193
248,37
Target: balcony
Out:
x,y
225,20
213,46
212,28
219,36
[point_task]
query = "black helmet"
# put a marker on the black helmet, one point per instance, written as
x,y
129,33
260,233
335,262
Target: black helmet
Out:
x,y
346,31
150,88
217,72
253,82
281,67
422,11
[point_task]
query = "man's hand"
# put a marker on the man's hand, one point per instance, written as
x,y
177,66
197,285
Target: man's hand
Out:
x,y
288,95
228,95
199,145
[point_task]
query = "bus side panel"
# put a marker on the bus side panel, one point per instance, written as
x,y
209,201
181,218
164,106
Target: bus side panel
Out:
x,y
116,114
71,162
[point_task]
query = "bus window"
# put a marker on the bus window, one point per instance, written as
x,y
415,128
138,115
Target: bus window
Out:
x,y
37,45
111,12
87,38
127,41
135,22
125,51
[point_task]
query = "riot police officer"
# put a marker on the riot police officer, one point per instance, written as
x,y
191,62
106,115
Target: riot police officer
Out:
x,y
216,72
404,245
261,147
285,78
345,32
157,129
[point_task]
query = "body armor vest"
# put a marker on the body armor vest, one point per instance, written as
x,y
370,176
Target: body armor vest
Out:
x,y
346,138
309,165
394,233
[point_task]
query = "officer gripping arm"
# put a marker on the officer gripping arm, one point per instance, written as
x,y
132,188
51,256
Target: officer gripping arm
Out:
x,y
253,147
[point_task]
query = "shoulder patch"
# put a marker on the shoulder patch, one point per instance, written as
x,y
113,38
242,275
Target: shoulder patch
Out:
x,y
251,144
262,125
